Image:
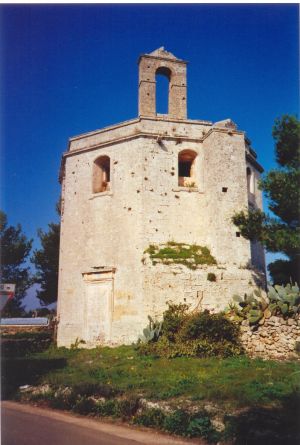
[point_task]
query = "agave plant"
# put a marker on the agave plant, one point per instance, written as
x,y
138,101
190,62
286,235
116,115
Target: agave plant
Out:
x,y
151,332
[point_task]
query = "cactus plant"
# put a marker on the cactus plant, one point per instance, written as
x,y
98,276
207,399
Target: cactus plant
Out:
x,y
253,307
284,299
151,332
254,316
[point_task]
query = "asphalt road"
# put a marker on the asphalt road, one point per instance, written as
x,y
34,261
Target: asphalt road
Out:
x,y
28,425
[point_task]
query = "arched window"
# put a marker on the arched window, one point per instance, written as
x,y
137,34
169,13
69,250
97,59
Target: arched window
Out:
x,y
250,180
186,168
101,174
162,78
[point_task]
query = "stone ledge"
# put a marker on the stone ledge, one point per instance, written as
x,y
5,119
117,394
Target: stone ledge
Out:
x,y
187,189
98,195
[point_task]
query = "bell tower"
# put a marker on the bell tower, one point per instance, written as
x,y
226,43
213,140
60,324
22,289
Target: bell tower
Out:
x,y
162,62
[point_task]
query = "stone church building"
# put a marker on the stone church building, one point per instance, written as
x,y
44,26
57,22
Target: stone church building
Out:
x,y
135,192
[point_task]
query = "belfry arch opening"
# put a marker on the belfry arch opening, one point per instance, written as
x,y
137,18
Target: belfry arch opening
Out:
x,y
250,180
101,174
186,168
162,82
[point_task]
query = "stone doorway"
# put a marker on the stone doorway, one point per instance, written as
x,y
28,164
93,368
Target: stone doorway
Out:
x,y
98,306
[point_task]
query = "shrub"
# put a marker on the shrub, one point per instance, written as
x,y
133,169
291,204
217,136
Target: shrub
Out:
x,y
63,399
94,389
193,348
203,325
194,335
177,422
127,408
151,417
38,396
19,346
173,319
124,408
191,425
84,405
107,408
200,426
211,276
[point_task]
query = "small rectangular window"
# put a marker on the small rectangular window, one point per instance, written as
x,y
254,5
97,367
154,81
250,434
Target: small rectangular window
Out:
x,y
186,168
101,174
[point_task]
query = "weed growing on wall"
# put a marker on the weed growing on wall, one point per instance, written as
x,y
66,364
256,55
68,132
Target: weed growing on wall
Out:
x,y
190,256
211,277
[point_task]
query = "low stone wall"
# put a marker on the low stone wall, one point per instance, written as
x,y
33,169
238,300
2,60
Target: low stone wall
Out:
x,y
12,330
275,339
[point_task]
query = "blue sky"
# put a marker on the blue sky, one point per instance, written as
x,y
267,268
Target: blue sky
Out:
x,y
69,69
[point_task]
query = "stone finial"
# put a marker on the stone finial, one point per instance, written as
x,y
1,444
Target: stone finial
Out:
x,y
226,123
161,52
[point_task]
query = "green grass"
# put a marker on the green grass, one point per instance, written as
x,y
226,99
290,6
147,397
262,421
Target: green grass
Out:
x,y
237,382
76,378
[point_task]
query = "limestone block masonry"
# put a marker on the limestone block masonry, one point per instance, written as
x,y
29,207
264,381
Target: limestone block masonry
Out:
x,y
276,339
152,180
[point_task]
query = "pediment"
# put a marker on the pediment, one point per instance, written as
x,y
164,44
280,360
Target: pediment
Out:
x,y
161,52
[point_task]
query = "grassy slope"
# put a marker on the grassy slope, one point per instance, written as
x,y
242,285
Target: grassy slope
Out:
x,y
235,382
268,390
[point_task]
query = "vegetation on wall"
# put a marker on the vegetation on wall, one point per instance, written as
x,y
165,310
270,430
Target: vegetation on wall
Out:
x,y
281,186
211,277
172,252
198,334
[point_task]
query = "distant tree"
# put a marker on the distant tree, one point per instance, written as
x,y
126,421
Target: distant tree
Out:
x,y
281,186
15,248
46,263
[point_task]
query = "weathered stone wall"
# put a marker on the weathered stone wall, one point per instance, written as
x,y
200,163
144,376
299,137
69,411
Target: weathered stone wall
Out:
x,y
106,290
111,230
145,205
179,284
276,339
